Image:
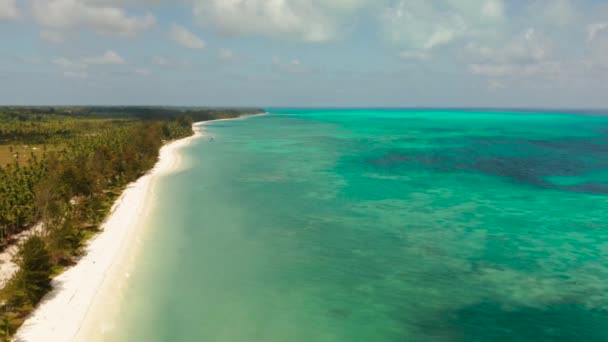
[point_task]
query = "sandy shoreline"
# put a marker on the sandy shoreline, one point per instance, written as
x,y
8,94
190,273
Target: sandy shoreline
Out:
x,y
64,313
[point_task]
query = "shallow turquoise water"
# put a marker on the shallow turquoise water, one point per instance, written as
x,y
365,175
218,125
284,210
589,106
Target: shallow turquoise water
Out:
x,y
380,226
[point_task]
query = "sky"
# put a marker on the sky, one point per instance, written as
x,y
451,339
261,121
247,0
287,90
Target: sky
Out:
x,y
311,53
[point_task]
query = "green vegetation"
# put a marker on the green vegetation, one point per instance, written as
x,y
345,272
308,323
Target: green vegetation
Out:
x,y
27,287
86,156
33,279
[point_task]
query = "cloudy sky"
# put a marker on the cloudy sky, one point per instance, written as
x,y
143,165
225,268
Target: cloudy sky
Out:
x,y
499,53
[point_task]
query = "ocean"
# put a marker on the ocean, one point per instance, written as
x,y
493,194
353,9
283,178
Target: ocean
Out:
x,y
379,225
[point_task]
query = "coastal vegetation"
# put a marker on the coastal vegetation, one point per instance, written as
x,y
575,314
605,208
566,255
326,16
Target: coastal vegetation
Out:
x,y
61,168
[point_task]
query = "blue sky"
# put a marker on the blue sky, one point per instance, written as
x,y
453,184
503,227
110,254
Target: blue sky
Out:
x,y
497,53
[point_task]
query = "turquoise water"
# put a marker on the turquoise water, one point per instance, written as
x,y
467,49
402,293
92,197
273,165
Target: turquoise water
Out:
x,y
380,226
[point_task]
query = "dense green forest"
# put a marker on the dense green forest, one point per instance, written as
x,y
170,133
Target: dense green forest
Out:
x,y
64,167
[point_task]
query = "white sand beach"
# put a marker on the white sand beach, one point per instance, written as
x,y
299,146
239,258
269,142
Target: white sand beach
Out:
x,y
96,281
62,313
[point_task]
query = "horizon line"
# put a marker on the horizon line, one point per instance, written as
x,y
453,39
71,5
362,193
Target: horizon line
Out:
x,y
307,107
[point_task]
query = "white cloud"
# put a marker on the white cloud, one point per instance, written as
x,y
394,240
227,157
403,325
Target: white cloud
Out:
x,y
292,66
66,15
8,10
527,54
597,46
185,38
226,54
568,46
82,68
79,66
528,47
594,29
493,9
109,57
426,25
440,37
301,20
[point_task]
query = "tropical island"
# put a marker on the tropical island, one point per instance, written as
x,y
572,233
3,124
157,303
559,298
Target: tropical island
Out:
x,y
61,170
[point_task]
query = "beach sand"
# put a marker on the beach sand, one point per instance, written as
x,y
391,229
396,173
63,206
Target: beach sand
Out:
x,y
99,277
104,268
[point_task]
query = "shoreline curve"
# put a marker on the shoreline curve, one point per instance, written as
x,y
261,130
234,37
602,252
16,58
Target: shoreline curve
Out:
x,y
64,314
